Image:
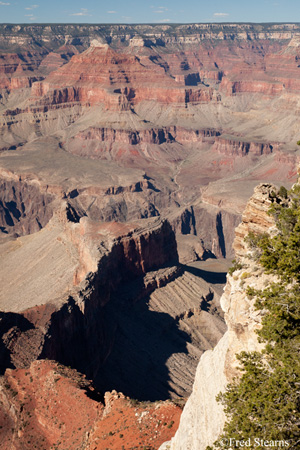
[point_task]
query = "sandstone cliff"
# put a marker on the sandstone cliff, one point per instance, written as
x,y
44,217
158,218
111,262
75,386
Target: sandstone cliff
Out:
x,y
203,418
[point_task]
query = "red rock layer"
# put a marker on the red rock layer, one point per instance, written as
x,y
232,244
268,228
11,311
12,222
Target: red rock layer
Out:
x,y
276,73
150,136
103,66
258,66
46,405
50,406
230,147
18,70
22,69
56,59
212,61
100,75
128,424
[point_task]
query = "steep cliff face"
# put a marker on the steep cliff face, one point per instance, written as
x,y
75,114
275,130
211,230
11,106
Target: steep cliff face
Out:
x,y
19,70
230,146
107,263
117,296
203,418
24,209
146,136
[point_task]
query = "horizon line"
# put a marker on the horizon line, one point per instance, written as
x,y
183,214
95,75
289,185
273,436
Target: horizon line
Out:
x,y
149,23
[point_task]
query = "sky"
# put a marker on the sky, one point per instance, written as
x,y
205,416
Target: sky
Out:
x,y
161,11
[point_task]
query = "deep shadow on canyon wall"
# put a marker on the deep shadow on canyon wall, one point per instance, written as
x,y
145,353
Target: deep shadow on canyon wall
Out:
x,y
107,331
214,226
110,334
24,209
121,345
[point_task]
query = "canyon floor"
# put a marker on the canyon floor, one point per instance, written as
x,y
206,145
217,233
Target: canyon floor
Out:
x,y
127,155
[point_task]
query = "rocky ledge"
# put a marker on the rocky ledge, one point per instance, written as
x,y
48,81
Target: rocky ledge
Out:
x,y
50,406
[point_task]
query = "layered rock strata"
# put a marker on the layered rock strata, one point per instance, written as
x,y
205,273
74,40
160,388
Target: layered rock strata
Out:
x,y
121,84
97,302
23,208
160,104
148,344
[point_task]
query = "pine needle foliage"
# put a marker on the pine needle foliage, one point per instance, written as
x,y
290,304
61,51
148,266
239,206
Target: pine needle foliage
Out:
x,y
264,402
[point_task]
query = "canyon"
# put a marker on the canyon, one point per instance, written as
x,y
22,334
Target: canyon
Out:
x,y
203,418
128,154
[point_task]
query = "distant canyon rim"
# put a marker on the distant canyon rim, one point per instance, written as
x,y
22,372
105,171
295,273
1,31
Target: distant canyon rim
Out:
x,y
127,156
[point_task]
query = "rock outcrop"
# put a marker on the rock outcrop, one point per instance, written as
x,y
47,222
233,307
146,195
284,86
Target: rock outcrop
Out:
x,y
117,80
203,418
230,146
147,136
19,70
48,405
23,208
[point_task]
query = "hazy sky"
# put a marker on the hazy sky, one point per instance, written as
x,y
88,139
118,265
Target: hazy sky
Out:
x,y
133,11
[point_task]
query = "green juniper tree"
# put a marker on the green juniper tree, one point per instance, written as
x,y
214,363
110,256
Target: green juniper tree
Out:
x,y
264,402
